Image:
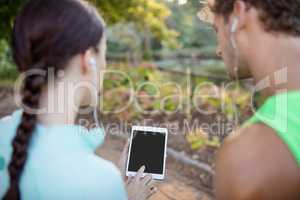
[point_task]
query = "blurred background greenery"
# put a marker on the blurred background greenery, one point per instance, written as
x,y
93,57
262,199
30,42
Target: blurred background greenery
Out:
x,y
147,29
151,40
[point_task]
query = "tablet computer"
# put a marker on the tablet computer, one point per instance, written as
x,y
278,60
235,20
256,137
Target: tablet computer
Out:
x,y
148,147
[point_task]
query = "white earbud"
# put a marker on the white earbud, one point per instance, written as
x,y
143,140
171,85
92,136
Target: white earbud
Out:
x,y
233,29
93,64
234,25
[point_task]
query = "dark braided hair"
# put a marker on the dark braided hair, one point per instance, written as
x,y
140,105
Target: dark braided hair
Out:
x,y
46,33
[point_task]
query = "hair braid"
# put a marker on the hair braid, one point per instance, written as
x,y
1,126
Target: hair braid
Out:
x,y
31,93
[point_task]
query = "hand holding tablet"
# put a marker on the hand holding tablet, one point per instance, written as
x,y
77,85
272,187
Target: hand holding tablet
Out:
x,y
148,147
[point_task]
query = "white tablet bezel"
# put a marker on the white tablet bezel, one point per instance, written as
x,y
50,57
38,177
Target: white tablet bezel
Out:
x,y
148,129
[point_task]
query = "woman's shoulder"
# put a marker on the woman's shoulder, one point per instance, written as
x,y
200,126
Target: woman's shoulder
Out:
x,y
8,126
95,162
101,169
68,163
88,177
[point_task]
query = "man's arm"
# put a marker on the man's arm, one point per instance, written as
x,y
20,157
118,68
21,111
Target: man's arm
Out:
x,y
255,165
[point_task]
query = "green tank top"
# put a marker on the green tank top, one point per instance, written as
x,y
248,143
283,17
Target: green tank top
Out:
x,y
282,113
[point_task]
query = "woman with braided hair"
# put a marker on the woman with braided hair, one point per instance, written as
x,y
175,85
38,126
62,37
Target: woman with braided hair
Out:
x,y
46,156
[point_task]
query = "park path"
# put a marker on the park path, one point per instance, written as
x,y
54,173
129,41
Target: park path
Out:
x,y
175,187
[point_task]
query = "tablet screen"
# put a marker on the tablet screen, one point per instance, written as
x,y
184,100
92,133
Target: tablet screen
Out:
x,y
147,148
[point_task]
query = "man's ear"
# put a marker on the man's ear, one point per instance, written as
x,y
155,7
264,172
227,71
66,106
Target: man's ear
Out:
x,y
84,61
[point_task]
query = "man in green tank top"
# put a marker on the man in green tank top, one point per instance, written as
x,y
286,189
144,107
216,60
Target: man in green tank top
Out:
x,y
260,39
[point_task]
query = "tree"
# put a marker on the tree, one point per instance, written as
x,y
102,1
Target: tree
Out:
x,y
8,11
150,15
194,33
113,11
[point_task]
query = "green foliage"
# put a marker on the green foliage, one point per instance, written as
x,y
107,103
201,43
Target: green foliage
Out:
x,y
8,11
149,91
233,101
113,11
124,43
199,139
150,13
163,91
147,30
193,32
151,16
123,37
8,70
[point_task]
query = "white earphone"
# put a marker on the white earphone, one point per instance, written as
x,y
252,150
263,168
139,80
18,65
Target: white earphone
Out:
x,y
234,25
93,64
233,30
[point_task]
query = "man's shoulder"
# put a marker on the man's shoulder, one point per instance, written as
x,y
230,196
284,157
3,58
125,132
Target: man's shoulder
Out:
x,y
257,135
258,138
256,160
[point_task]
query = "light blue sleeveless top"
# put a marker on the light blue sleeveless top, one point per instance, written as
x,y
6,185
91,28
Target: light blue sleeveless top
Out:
x,y
61,164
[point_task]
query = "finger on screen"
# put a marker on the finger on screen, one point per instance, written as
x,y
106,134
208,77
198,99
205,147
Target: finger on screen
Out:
x,y
140,173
